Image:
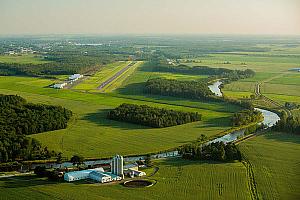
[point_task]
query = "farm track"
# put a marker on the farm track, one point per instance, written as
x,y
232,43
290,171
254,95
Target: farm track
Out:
x,y
251,179
266,99
115,76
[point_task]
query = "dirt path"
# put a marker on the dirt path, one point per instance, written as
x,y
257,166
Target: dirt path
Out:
x,y
155,170
271,101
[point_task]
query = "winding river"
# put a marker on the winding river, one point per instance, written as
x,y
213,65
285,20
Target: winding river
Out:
x,y
270,118
215,88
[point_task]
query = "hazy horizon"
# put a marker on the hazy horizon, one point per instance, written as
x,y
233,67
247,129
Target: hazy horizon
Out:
x,y
150,17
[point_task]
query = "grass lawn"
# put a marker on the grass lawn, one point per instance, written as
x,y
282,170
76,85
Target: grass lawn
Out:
x,y
275,159
176,179
22,59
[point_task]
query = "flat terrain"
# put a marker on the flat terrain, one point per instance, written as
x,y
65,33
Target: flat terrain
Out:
x,y
99,137
22,59
176,179
272,69
275,160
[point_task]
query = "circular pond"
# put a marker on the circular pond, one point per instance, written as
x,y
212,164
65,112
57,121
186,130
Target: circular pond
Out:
x,y
138,183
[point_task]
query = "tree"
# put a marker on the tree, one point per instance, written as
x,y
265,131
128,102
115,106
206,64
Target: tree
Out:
x,y
148,161
77,160
202,138
59,158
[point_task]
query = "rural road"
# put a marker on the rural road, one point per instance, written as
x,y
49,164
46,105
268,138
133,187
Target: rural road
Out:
x,y
115,76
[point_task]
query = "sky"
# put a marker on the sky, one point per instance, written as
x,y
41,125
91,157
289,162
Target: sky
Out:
x,y
275,17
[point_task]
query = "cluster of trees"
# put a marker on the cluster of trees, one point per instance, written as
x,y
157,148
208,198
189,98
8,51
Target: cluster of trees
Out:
x,y
53,175
253,129
18,119
46,69
289,124
291,105
246,116
185,89
217,151
151,116
229,74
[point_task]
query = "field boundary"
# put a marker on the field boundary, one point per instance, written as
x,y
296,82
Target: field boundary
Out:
x,y
251,178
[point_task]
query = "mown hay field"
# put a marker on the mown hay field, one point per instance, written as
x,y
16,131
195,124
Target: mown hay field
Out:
x,y
176,179
275,160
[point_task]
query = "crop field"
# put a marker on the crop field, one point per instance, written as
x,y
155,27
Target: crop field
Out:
x,y
22,59
281,89
292,78
99,137
275,163
271,68
176,179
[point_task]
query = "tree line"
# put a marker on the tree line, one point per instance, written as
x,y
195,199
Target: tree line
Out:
x,y
18,119
246,116
172,87
151,116
230,75
60,62
288,124
217,151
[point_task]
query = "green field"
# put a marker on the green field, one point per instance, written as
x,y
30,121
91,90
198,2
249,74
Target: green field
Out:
x,y
22,59
99,137
275,160
271,68
274,157
176,179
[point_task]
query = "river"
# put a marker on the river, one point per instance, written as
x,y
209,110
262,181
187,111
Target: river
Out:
x,y
215,88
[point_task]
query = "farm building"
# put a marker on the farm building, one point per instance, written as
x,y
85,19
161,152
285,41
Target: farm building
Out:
x,y
134,173
133,166
117,165
59,85
295,69
80,175
132,170
75,77
100,177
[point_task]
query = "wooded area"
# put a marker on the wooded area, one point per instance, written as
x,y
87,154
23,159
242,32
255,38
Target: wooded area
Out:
x,y
246,116
151,116
230,75
184,89
18,119
289,124
217,151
